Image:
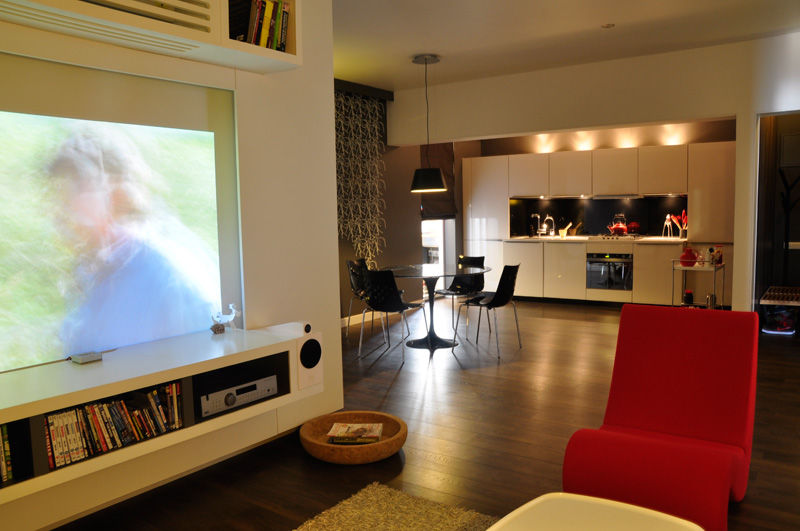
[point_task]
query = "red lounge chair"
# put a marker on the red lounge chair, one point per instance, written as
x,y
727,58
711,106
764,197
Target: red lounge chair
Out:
x,y
678,429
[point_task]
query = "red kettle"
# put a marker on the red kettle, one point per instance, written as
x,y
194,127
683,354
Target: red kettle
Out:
x,y
618,225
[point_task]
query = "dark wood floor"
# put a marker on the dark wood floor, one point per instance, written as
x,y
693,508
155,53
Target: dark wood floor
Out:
x,y
484,433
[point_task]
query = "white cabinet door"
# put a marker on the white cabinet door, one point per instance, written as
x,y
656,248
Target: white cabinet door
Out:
x,y
711,174
529,175
530,257
492,252
652,273
571,173
565,270
615,171
486,198
662,170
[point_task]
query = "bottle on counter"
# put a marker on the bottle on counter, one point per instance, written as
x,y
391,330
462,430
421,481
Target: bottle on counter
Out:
x,y
688,297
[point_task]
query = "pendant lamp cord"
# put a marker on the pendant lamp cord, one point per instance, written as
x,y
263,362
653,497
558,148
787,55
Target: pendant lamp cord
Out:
x,y
427,119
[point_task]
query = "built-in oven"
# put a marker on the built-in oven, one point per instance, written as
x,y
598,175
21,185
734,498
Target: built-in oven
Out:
x,y
609,271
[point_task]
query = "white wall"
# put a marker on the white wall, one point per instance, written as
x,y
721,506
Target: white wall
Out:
x,y
287,189
740,80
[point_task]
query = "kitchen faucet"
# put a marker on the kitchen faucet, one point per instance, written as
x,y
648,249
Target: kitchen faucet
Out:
x,y
538,224
552,227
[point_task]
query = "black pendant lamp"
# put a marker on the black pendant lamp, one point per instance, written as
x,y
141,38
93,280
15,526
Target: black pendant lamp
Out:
x,y
427,179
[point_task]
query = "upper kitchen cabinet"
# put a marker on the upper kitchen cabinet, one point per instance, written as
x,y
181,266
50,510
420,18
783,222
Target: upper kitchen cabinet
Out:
x,y
615,171
529,175
570,173
662,170
205,31
711,174
486,198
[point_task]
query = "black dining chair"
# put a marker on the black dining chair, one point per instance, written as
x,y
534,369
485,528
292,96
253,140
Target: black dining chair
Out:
x,y
463,285
493,300
381,295
356,271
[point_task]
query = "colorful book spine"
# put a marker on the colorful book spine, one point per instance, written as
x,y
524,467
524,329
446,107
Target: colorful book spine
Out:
x,y
266,20
276,37
6,472
284,27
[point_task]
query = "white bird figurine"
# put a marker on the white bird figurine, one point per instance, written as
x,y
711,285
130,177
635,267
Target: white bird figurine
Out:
x,y
223,319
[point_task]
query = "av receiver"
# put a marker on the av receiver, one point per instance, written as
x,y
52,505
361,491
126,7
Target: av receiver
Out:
x,y
238,385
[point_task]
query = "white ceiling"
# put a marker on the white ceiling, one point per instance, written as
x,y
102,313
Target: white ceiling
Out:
x,y
374,40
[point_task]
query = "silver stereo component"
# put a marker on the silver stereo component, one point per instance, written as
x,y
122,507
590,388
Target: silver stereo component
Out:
x,y
233,397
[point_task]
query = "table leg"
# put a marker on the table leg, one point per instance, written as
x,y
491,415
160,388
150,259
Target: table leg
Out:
x,y
431,341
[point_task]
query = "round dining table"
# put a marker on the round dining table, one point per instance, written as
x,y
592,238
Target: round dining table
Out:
x,y
431,273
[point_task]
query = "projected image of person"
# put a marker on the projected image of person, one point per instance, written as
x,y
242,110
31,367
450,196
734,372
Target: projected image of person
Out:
x,y
140,274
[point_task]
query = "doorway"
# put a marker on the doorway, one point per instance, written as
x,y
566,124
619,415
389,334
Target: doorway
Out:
x,y
777,272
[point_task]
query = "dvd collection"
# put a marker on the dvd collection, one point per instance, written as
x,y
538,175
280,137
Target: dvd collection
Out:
x,y
76,433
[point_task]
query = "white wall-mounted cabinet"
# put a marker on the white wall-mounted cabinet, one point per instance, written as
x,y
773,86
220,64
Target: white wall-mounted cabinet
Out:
x,y
571,173
711,174
662,170
652,272
565,270
615,171
485,198
198,31
529,175
530,257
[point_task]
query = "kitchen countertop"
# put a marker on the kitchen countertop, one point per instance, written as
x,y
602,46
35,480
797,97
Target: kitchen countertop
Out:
x,y
584,238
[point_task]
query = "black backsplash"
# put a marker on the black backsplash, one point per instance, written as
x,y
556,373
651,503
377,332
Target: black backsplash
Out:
x,y
596,214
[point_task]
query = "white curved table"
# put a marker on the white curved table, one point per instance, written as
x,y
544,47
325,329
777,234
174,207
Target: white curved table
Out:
x,y
561,511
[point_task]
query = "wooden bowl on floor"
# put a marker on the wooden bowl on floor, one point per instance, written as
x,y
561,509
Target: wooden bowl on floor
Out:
x,y
314,438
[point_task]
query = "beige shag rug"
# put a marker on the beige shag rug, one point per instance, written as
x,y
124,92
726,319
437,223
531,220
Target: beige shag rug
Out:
x,y
380,507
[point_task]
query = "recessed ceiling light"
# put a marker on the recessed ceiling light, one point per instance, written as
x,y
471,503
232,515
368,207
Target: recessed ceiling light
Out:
x,y
608,26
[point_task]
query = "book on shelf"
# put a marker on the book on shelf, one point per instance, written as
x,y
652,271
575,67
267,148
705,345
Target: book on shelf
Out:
x,y
6,470
267,22
91,429
284,26
351,433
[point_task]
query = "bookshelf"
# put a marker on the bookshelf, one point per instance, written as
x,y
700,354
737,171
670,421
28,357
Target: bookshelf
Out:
x,y
199,31
28,396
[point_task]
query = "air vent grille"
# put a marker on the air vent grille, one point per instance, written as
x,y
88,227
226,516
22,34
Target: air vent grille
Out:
x,y
192,14
41,18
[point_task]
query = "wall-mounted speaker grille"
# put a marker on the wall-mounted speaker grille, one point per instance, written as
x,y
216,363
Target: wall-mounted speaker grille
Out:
x,y
55,21
192,14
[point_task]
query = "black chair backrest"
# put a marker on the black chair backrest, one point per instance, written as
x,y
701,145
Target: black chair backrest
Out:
x,y
468,283
356,270
381,291
505,288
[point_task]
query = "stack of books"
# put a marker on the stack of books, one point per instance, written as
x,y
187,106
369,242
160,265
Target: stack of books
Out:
x,y
6,471
80,432
269,24
343,433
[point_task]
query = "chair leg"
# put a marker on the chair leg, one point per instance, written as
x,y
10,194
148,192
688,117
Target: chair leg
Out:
x,y
496,330
349,311
452,311
455,326
478,333
516,320
386,338
404,322
361,336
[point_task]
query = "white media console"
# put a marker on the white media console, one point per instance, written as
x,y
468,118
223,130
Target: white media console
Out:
x,y
47,498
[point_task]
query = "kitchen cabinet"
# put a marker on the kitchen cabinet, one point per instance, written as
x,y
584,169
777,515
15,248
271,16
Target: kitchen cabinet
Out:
x,y
492,252
485,198
615,171
530,257
662,170
652,269
565,270
529,175
571,173
711,174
